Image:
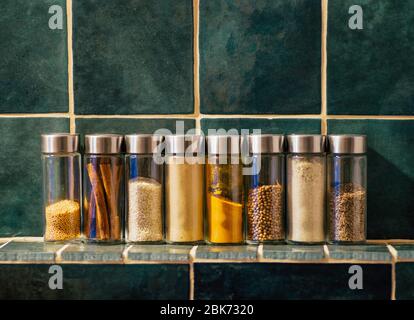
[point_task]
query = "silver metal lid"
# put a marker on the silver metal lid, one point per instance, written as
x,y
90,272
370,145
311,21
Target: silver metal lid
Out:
x,y
347,143
223,144
142,143
180,144
266,143
103,143
60,143
306,143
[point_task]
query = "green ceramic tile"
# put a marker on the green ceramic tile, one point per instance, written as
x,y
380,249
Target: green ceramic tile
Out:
x,y
284,126
159,253
371,71
29,251
21,173
289,281
227,252
293,252
360,252
390,174
133,56
404,251
96,282
260,56
126,126
93,252
33,58
404,276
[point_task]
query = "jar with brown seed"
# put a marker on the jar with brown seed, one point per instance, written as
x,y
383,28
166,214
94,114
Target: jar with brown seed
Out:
x,y
347,189
103,188
144,188
265,195
62,186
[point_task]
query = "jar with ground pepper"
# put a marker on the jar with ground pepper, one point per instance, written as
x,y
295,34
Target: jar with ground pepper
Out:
x,y
347,189
265,196
184,188
61,163
144,188
306,189
224,187
103,188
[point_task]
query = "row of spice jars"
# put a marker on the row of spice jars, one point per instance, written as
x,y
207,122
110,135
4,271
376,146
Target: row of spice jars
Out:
x,y
236,201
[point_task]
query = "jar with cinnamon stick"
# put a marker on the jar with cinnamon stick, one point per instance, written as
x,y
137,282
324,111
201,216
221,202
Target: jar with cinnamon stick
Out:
x,y
61,163
103,188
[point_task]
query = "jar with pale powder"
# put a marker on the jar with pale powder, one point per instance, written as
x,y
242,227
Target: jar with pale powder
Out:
x,y
144,189
61,163
306,188
184,189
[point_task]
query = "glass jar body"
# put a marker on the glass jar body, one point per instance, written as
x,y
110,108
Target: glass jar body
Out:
x,y
184,199
306,194
144,198
224,187
103,198
347,198
265,199
62,196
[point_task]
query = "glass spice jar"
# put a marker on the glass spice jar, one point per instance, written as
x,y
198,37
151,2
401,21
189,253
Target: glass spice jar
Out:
x,y
184,188
103,188
306,188
144,188
347,189
265,196
61,164
224,187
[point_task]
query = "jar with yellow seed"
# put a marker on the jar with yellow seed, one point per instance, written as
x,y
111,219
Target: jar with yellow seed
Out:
x,y
224,185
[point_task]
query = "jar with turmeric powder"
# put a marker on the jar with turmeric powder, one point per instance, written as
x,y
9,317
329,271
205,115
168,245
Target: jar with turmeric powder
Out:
x,y
265,195
103,188
224,187
184,188
61,163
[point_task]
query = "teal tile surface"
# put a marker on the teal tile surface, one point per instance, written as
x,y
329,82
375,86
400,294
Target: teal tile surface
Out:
x,y
133,56
93,252
404,278
360,252
404,251
33,58
159,253
260,56
290,281
371,71
29,251
390,174
283,126
293,252
243,252
96,282
126,126
21,173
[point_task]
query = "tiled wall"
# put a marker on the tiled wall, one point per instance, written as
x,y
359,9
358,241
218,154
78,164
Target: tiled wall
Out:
x,y
279,65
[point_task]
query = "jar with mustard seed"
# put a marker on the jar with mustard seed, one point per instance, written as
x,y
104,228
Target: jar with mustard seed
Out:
x,y
224,188
61,162
184,188
265,194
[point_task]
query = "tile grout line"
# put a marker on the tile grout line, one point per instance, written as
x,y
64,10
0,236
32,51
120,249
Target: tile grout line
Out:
x,y
69,21
260,252
196,62
6,243
58,255
125,253
35,115
394,255
324,122
326,252
192,255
